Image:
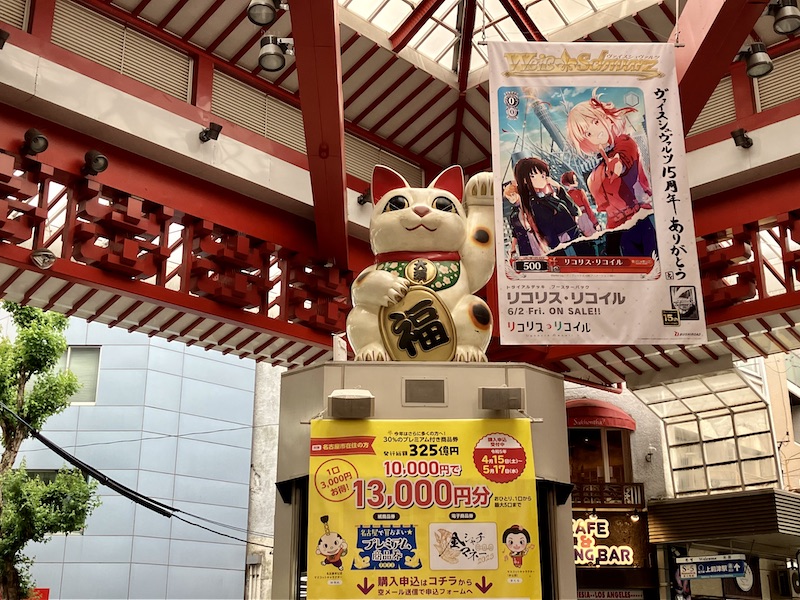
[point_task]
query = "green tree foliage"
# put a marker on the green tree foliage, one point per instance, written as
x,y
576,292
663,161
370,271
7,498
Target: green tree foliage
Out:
x,y
31,509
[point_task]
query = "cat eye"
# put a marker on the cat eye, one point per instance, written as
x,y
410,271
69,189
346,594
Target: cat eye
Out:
x,y
445,204
396,203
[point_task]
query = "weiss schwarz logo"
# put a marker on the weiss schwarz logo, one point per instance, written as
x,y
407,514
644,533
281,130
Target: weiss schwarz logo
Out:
x,y
537,64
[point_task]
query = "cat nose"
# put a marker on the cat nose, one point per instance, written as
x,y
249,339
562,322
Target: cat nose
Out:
x,y
421,210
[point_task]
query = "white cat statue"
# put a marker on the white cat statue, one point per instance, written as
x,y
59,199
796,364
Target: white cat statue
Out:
x,y
432,253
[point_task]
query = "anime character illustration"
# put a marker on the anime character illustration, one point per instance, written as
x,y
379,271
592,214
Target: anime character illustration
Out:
x,y
587,220
549,209
523,238
618,184
518,541
546,202
331,546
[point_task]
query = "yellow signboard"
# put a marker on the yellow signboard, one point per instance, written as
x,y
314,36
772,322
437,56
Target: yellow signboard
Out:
x,y
403,509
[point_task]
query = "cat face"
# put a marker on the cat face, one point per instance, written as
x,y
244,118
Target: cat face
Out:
x,y
417,219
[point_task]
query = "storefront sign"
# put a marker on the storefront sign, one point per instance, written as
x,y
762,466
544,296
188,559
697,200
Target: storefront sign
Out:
x,y
611,594
608,540
422,508
717,566
595,237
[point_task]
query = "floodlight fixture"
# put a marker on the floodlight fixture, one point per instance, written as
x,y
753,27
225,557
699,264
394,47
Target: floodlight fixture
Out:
x,y
787,17
264,12
272,56
211,132
95,162
35,142
741,139
758,61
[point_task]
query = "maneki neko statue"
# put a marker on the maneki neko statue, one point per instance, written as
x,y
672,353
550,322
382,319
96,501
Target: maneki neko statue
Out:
x,y
434,248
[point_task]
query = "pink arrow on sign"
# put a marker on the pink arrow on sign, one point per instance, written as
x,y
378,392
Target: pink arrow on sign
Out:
x,y
367,587
482,586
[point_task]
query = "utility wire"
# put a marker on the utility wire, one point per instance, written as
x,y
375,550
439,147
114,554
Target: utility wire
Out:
x,y
149,503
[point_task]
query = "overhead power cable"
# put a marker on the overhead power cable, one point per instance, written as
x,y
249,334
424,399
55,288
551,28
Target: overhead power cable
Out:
x,y
149,503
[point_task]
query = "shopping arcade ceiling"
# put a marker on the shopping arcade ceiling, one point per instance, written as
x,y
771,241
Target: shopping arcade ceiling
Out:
x,y
365,65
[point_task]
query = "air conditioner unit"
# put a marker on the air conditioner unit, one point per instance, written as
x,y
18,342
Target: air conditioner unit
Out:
x,y
787,583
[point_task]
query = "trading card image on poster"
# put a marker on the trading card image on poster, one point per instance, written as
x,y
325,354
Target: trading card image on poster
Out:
x,y
577,200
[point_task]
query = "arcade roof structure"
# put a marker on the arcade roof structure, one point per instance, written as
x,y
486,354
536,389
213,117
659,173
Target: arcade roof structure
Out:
x,y
408,77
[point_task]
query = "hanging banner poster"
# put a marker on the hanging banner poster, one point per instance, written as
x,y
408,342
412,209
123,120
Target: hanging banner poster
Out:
x,y
422,508
595,237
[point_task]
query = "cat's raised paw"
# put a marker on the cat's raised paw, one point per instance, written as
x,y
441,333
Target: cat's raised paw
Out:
x,y
480,187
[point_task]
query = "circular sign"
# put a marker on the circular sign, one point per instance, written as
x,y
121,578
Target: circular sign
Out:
x,y
334,479
499,457
745,582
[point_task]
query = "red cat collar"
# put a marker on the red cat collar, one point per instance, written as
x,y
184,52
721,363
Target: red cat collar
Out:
x,y
409,255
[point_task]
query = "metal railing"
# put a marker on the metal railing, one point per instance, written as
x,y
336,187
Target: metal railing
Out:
x,y
595,495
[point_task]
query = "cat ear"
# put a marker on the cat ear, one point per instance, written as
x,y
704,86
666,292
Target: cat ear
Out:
x,y
385,180
450,180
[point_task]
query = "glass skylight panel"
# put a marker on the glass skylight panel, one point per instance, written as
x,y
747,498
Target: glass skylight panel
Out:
x,y
688,388
724,476
724,381
751,422
654,394
717,428
759,471
391,15
573,10
683,433
670,409
720,451
546,17
742,396
703,403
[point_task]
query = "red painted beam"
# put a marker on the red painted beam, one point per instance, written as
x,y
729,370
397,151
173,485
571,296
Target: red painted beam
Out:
x,y
411,26
202,20
237,20
230,68
522,20
465,44
390,90
711,34
645,28
171,14
319,72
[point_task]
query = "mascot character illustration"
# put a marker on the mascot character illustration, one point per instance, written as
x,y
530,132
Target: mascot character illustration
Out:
x,y
331,546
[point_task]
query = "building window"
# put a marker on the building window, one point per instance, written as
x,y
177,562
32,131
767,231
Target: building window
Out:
x,y
84,361
599,455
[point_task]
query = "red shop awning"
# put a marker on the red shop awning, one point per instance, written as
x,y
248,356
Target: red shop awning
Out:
x,y
585,412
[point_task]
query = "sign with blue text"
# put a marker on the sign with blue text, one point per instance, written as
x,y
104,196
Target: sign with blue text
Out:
x,y
594,233
717,566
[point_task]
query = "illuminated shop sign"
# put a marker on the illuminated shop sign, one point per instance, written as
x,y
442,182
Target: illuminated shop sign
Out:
x,y
611,594
608,540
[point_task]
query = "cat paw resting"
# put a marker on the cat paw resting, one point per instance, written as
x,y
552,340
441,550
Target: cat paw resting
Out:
x,y
434,248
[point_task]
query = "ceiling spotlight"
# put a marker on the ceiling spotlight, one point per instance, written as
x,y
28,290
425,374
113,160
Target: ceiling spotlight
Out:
x,y
3,37
272,57
741,139
35,142
44,258
787,17
211,132
264,12
94,163
635,516
758,61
